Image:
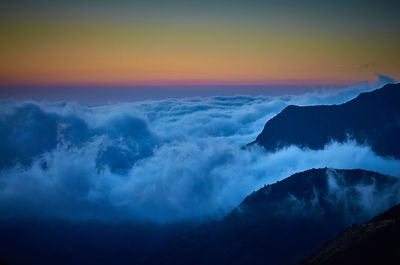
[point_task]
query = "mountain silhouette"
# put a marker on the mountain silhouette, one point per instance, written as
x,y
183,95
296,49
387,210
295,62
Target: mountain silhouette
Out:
x,y
372,118
375,242
286,221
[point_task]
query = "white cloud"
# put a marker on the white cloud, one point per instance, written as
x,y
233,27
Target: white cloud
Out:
x,y
161,160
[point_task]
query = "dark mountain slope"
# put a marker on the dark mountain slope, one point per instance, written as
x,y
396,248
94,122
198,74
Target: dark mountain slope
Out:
x,y
375,242
283,222
371,118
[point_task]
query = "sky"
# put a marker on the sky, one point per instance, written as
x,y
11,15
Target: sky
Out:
x,y
120,112
271,44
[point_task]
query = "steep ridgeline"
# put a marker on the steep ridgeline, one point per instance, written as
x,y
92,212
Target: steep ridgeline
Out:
x,y
286,221
371,118
374,242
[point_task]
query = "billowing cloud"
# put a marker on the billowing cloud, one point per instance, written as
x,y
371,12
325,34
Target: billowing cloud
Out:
x,y
163,161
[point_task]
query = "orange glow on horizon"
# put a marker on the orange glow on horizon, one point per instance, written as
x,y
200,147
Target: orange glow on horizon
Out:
x,y
44,53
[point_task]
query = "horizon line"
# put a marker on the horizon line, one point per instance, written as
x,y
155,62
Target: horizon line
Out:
x,y
190,83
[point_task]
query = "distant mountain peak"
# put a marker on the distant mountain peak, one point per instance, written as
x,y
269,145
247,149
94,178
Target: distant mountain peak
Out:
x,y
372,118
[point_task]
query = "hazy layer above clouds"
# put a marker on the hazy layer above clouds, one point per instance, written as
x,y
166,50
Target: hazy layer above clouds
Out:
x,y
167,160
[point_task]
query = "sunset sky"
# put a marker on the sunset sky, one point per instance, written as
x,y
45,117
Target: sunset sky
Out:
x,y
152,131
198,42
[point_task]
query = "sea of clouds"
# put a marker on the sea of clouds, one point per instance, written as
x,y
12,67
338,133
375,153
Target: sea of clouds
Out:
x,y
163,161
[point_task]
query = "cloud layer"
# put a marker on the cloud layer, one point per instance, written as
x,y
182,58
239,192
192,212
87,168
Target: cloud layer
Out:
x,y
167,160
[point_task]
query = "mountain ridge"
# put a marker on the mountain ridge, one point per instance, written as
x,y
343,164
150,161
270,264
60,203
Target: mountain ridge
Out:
x,y
371,118
295,215
374,242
